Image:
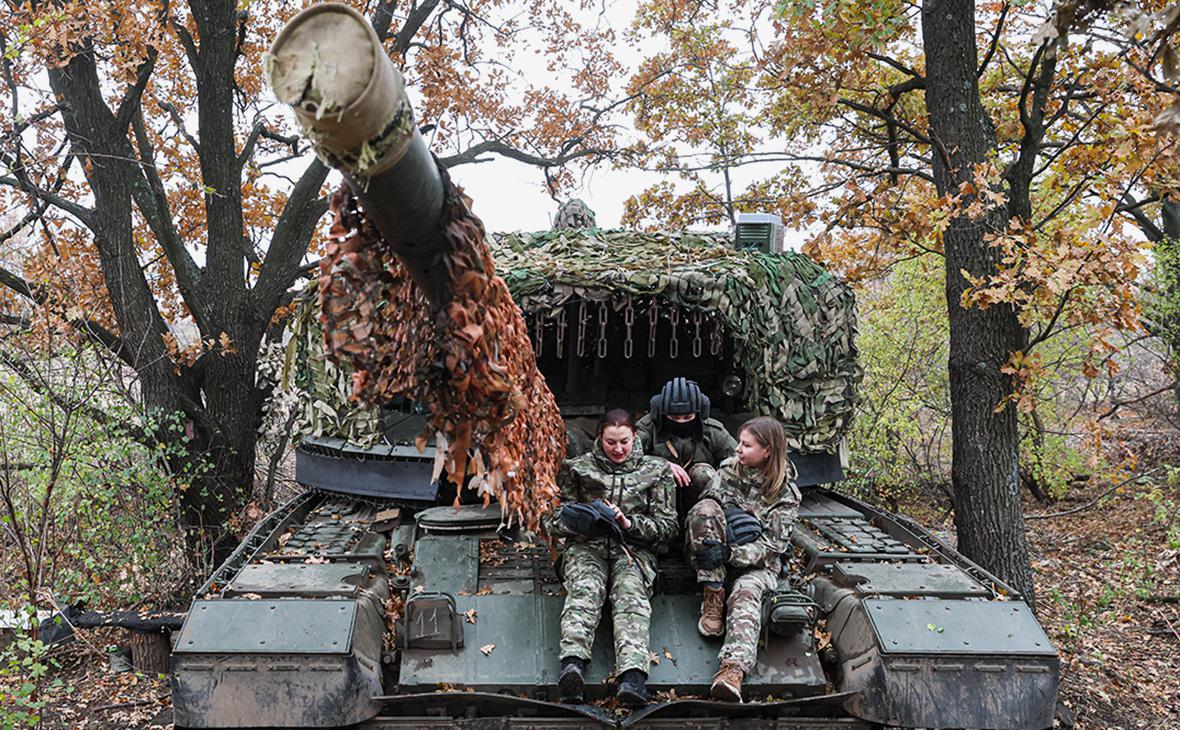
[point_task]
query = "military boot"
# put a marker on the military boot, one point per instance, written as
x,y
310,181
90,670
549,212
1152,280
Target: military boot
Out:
x,y
571,682
712,621
727,683
632,690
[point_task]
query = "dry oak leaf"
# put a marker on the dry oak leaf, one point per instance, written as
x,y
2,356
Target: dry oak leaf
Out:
x,y
470,614
487,649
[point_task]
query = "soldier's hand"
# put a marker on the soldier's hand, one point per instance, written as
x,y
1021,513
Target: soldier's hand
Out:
x,y
680,475
622,519
713,554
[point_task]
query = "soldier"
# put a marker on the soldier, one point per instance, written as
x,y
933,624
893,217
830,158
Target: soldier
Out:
x,y
616,507
679,429
737,533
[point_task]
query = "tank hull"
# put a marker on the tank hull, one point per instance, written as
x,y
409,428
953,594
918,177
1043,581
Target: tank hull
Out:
x,y
295,633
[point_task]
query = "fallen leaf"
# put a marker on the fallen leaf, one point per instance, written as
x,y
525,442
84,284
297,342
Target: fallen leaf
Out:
x,y
471,613
487,649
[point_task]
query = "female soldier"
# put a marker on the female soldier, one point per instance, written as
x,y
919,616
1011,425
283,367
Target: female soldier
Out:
x,y
753,495
616,506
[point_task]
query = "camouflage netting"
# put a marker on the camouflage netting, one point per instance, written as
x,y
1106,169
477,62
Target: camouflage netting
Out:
x,y
793,322
470,363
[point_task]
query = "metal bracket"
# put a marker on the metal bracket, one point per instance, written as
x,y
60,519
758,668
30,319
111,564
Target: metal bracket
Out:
x,y
431,622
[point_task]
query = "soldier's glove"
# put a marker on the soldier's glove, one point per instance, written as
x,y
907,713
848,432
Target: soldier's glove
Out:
x,y
591,520
714,554
741,527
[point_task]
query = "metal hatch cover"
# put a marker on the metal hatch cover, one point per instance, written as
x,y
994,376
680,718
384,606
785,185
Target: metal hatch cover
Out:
x,y
910,579
467,518
302,579
937,626
282,626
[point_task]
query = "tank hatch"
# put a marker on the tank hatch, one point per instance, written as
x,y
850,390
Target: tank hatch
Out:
x,y
290,626
957,627
467,518
909,579
271,580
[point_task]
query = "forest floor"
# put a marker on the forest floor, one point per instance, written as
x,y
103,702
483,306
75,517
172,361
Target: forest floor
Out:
x,y
1108,582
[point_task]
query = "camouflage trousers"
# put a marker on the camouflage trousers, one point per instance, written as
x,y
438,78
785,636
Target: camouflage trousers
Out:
x,y
743,607
592,572
699,476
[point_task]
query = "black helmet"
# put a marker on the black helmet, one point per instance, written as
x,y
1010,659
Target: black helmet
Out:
x,y
680,396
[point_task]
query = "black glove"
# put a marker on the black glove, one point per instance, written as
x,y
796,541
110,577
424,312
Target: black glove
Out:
x,y
714,554
591,520
741,527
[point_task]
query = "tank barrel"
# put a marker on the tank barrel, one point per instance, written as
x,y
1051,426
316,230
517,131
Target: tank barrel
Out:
x,y
328,65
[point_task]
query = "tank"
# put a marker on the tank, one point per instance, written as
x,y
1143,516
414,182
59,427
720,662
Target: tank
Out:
x,y
386,596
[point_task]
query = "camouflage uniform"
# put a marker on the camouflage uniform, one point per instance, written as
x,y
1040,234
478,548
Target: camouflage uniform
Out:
x,y
643,488
700,456
753,568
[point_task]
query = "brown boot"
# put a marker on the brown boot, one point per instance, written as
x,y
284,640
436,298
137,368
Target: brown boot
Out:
x,y
712,621
727,683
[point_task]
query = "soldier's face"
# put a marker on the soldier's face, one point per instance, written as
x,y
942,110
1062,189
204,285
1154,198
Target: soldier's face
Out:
x,y
617,442
681,417
750,452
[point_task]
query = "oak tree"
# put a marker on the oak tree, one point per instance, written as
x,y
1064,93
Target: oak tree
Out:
x,y
170,206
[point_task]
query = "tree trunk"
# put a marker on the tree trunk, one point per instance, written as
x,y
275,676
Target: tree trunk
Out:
x,y
985,466
150,651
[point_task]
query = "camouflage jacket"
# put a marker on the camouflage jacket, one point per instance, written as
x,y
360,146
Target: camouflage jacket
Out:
x,y
713,447
642,486
736,486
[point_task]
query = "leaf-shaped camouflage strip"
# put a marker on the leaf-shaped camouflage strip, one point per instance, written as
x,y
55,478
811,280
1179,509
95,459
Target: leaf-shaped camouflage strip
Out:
x,y
471,363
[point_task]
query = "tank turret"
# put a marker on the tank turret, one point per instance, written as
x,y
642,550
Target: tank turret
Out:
x,y
409,298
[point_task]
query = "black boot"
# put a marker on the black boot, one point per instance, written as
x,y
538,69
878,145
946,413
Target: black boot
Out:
x,y
632,690
570,682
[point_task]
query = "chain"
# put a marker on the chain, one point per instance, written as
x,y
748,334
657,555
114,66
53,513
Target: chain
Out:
x,y
674,343
603,313
629,322
539,334
653,320
560,332
582,322
696,338
715,339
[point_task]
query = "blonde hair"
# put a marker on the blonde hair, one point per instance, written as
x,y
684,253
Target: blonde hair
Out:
x,y
769,435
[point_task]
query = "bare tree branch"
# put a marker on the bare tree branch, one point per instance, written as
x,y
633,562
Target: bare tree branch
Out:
x,y
291,236
991,50
152,201
409,29
1148,226
472,155
38,384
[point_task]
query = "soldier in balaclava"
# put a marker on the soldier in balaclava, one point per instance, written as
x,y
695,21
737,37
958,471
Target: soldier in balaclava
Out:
x,y
679,430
